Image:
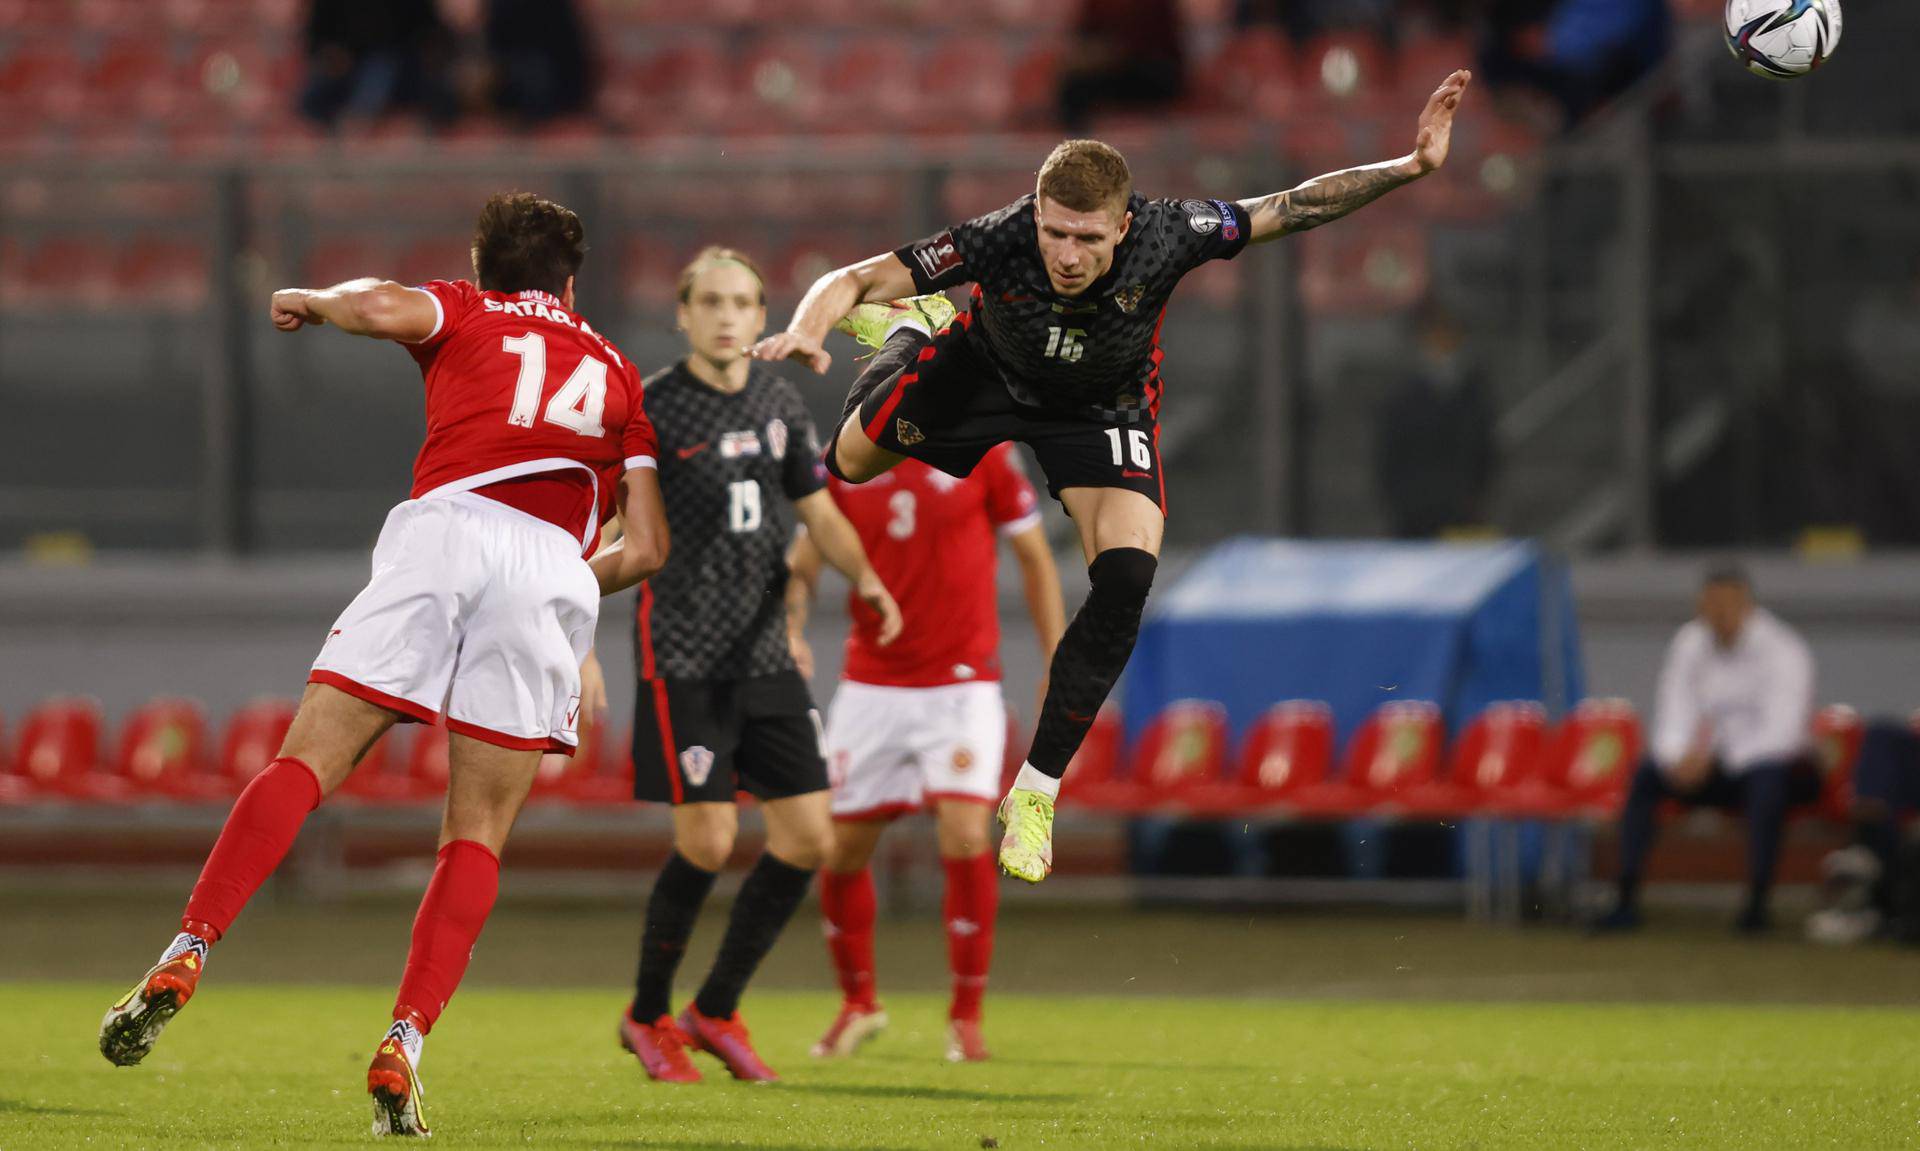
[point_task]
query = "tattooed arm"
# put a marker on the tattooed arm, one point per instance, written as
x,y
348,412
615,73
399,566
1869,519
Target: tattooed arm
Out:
x,y
1329,197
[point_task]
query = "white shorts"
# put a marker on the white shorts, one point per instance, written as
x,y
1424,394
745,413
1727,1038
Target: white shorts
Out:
x,y
892,749
476,611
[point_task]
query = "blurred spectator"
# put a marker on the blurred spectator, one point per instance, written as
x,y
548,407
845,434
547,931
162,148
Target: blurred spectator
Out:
x,y
1583,54
1304,19
1433,436
1122,54
1730,730
366,58
1866,879
537,53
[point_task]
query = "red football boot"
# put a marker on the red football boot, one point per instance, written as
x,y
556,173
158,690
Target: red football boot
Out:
x,y
393,1080
661,1048
964,1044
131,1025
856,1023
728,1041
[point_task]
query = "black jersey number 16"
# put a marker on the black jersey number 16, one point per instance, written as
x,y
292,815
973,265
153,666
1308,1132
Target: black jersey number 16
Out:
x,y
1066,344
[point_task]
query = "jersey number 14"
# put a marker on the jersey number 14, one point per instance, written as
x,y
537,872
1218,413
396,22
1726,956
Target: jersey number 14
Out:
x,y
577,406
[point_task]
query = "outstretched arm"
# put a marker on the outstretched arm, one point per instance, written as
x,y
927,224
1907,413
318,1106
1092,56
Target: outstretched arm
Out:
x,y
378,308
832,296
1329,197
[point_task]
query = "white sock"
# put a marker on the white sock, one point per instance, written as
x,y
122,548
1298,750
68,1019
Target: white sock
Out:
x,y
1032,778
910,320
410,1040
184,942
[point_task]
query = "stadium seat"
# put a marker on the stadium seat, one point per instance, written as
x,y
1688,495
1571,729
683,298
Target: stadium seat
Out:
x,y
1289,748
1590,759
610,780
1253,75
872,84
1379,270
1097,762
253,737
967,84
558,773
1837,734
380,776
1347,73
1182,746
162,751
1035,85
428,762
778,86
1396,750
59,751
673,91
1500,750
170,275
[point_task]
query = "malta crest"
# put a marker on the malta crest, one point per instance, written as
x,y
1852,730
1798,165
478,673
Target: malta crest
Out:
x,y
908,433
1129,297
696,763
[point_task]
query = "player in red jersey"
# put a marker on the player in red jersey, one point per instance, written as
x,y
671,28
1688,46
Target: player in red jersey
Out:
x,y
921,721
479,612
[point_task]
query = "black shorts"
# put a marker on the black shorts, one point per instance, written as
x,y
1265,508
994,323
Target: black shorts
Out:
x,y
703,740
948,409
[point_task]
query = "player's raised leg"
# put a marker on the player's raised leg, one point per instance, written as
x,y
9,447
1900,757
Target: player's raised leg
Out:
x,y
330,732
1120,533
848,906
799,835
486,787
898,330
970,910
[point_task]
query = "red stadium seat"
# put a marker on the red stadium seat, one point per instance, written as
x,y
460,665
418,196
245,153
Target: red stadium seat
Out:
x,y
70,270
1347,74
1397,750
1501,749
1035,84
43,83
380,776
428,761
1373,271
1097,762
968,86
59,751
1183,746
1837,734
1253,75
1289,748
558,773
611,778
1590,759
163,751
170,275
674,91
872,83
132,80
778,86
253,737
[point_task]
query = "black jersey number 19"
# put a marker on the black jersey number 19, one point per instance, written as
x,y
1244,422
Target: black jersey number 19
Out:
x,y
743,506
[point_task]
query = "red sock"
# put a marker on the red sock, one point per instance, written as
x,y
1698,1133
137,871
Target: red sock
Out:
x,y
466,878
259,830
846,900
972,903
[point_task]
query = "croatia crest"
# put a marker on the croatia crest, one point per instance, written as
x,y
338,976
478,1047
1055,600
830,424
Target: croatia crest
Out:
x,y
696,763
777,439
1128,298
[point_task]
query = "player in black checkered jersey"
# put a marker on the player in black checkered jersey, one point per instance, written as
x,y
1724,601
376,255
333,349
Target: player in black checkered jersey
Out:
x,y
721,708
1060,350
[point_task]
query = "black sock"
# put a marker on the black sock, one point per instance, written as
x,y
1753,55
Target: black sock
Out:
x,y
674,905
767,900
1092,654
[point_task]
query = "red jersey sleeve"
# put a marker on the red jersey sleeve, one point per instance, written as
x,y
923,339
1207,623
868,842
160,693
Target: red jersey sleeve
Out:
x,y
451,301
639,443
1011,502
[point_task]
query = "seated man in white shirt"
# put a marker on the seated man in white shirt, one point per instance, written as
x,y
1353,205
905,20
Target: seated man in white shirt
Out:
x,y
1730,730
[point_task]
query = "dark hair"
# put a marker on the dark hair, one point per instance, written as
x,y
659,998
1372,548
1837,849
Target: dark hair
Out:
x,y
522,242
1727,572
1085,176
715,254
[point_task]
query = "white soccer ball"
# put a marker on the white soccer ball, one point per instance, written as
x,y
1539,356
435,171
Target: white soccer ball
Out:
x,y
1782,39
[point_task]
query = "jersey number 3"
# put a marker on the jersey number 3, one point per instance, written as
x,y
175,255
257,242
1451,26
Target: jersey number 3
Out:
x,y
577,406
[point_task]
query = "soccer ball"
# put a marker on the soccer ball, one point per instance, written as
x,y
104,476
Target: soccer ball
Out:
x,y
1782,39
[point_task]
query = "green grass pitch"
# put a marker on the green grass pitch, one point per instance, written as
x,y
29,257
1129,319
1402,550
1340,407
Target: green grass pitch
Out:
x,y
257,1066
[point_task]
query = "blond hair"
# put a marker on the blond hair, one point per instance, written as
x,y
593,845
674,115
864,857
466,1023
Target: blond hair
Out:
x,y
1086,176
